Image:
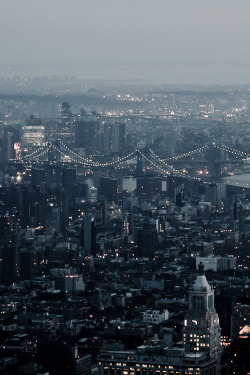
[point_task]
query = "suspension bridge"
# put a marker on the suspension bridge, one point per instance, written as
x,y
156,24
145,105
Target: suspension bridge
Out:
x,y
212,156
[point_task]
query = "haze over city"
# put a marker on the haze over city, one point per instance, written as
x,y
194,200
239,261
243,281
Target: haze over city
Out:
x,y
166,41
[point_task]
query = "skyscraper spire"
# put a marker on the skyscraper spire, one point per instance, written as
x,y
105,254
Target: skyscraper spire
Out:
x,y
201,325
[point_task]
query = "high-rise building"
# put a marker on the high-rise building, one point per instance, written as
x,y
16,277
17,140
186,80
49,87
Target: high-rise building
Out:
x,y
202,332
114,138
9,146
149,186
66,127
37,176
33,132
86,132
68,176
108,188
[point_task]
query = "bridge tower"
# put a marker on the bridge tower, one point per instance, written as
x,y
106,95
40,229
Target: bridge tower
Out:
x,y
138,162
214,158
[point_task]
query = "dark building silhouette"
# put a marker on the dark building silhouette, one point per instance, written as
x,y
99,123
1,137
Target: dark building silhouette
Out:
x,y
62,358
9,265
240,353
147,187
172,183
87,131
37,176
108,188
68,176
28,264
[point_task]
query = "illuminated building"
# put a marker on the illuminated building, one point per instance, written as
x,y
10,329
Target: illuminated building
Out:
x,y
33,132
114,138
239,319
65,133
202,332
154,360
155,316
9,146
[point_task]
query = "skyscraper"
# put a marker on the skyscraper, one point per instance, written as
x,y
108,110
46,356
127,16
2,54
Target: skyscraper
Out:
x,y
201,325
86,132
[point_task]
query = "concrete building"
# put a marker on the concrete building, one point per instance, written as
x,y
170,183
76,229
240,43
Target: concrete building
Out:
x,y
201,333
155,316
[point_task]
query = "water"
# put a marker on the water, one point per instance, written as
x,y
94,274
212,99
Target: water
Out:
x,y
242,180
129,183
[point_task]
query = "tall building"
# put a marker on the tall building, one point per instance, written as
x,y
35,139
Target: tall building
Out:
x,y
148,186
87,131
202,332
108,188
66,129
33,132
114,138
9,146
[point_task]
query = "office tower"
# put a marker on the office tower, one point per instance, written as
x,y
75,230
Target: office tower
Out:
x,y
148,187
172,183
107,139
66,131
147,241
202,333
68,176
119,137
9,146
103,203
37,176
114,138
33,133
108,188
87,132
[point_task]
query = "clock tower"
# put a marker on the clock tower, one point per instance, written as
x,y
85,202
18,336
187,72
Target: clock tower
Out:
x,y
201,331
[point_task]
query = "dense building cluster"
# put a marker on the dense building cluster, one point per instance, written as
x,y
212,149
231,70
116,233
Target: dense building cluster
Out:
x,y
114,266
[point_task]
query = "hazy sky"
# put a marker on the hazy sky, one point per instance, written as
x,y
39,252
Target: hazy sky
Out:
x,y
175,41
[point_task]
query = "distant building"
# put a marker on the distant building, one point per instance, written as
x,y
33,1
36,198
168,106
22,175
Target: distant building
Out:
x,y
87,132
155,316
108,188
33,132
147,187
74,284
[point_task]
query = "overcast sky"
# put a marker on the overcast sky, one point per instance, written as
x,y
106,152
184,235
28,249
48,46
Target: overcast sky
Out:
x,y
173,41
